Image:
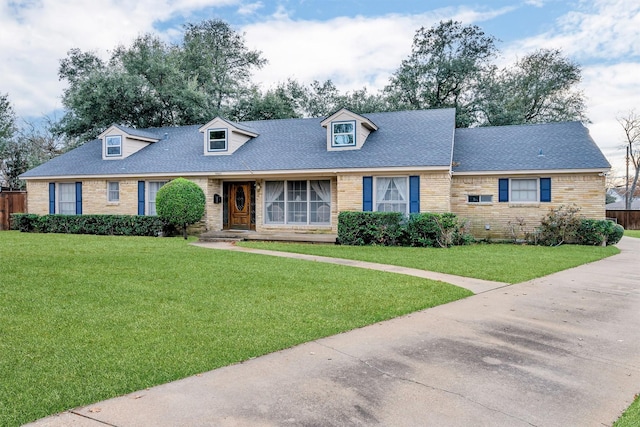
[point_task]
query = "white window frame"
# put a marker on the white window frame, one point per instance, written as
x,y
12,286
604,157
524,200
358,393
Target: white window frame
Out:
x,y
151,201
335,134
113,191
118,144
377,200
287,202
210,139
483,199
69,205
536,182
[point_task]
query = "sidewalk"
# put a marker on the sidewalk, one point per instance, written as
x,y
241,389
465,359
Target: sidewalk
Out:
x,y
474,285
562,350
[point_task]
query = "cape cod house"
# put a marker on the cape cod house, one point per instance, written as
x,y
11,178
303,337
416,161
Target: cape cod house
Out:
x,y
298,174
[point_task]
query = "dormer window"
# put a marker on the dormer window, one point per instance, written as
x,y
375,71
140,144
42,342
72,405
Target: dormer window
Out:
x,y
343,133
217,139
113,146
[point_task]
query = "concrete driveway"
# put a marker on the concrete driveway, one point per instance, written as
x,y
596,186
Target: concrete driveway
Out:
x,y
563,350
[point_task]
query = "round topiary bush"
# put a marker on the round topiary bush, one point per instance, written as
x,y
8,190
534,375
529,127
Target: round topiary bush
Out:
x,y
180,202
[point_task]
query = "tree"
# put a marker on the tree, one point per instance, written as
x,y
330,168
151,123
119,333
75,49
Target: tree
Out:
x,y
443,70
180,202
153,84
218,60
631,126
30,146
7,131
539,88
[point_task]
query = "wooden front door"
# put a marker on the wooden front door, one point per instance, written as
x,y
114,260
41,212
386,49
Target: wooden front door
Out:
x,y
240,205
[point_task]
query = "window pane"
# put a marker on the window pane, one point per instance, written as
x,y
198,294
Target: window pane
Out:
x,y
217,140
217,134
297,201
343,139
392,194
274,202
114,145
524,190
113,192
473,199
343,133
343,127
153,191
486,198
67,199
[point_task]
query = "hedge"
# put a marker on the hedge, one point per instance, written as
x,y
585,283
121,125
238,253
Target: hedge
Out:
x,y
117,225
394,228
595,232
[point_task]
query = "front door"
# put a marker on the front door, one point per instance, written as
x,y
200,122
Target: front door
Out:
x,y
240,205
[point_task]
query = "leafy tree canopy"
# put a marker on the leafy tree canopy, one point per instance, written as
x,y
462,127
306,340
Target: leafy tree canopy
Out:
x,y
152,83
538,88
443,70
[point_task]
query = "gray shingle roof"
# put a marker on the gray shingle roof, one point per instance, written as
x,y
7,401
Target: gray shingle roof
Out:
x,y
422,138
404,138
550,146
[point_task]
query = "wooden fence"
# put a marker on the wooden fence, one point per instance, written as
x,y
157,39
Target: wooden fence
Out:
x,y
630,220
11,202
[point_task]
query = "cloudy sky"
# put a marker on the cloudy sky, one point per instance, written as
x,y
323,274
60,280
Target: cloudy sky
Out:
x,y
355,43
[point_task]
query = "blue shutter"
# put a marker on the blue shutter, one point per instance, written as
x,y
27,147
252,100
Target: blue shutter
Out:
x,y
503,190
545,189
414,194
140,197
78,198
367,193
52,198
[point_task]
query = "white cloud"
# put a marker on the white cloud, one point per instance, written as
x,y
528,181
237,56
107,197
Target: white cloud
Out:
x,y
250,9
352,51
35,35
601,36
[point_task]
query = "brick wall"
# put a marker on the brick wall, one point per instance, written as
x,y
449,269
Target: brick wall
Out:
x,y
439,193
584,190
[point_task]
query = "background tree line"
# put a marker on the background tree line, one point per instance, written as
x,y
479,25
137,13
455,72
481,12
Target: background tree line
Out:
x,y
151,83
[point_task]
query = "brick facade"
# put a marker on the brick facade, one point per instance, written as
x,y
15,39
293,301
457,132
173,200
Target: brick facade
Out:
x,y
439,192
493,220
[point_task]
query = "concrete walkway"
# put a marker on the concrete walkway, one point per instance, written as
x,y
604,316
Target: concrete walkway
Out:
x,y
474,285
562,350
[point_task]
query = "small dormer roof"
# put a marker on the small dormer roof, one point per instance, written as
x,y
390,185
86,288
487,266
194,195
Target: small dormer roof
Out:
x,y
131,133
360,118
237,127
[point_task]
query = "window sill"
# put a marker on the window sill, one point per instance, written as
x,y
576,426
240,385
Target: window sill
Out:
x,y
524,205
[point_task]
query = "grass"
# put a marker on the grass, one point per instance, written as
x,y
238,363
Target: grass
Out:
x,y
86,318
498,262
630,417
632,233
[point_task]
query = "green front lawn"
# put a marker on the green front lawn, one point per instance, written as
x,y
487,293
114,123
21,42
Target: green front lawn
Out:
x,y
631,417
86,318
632,233
498,262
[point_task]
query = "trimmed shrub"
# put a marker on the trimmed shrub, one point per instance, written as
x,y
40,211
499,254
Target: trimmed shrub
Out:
x,y
393,228
370,228
559,226
24,222
434,230
595,232
118,225
180,202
